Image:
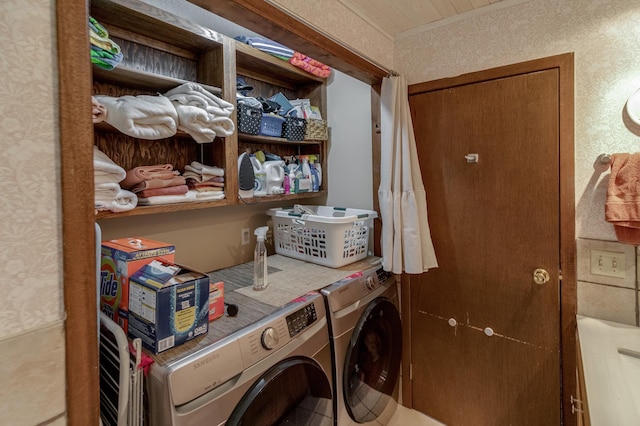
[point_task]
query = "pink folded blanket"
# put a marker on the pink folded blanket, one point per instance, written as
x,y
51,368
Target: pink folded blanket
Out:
x,y
310,65
141,173
169,190
158,183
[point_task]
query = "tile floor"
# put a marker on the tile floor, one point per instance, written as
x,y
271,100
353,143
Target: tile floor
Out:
x,y
407,417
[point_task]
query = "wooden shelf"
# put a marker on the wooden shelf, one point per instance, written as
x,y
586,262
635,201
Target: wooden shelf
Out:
x,y
282,197
257,64
196,205
126,76
165,208
244,137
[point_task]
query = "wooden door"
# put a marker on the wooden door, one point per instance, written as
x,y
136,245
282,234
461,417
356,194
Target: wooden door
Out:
x,y
485,337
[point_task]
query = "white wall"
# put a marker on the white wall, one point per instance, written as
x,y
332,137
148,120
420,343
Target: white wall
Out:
x,y
349,115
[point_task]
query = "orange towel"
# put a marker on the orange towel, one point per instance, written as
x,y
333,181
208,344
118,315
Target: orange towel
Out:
x,y
622,207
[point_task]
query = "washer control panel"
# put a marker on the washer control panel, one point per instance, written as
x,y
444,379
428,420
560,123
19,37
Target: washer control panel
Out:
x,y
301,319
269,335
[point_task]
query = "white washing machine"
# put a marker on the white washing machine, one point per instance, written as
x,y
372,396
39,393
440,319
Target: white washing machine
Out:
x,y
275,371
366,340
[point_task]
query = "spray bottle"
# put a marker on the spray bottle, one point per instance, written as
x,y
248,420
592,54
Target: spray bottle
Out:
x,y
260,260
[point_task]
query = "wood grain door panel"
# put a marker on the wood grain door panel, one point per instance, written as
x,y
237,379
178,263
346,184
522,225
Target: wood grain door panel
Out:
x,y
493,223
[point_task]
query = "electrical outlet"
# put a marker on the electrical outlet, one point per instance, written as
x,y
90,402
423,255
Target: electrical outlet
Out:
x,y
245,236
608,263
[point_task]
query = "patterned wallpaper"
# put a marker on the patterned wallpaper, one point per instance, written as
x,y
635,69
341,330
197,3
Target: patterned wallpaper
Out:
x,y
342,24
605,37
30,233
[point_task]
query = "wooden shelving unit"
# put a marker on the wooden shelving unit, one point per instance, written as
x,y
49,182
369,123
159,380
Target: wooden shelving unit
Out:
x,y
162,51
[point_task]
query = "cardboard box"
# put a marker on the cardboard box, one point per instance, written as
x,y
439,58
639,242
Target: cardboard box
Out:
x,y
216,300
120,259
168,305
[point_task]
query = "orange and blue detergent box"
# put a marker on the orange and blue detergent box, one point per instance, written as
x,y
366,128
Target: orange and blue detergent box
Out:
x,y
120,259
216,300
168,305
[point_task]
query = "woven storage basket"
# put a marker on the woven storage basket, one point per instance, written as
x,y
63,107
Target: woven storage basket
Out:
x,y
316,130
249,119
328,236
293,128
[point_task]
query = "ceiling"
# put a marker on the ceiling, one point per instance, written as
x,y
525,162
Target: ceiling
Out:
x,y
400,18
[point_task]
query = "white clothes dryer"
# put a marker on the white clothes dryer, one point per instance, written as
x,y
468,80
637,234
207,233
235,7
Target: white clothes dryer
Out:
x,y
366,340
275,371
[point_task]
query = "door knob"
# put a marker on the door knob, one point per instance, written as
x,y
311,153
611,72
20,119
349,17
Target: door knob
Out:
x,y
540,276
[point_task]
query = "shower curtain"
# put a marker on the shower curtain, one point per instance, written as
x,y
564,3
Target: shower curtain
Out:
x,y
406,238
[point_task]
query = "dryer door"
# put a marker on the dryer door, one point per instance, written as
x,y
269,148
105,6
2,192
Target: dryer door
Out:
x,y
372,363
295,391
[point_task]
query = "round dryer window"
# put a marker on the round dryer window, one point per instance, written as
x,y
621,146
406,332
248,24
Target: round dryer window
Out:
x,y
293,392
372,364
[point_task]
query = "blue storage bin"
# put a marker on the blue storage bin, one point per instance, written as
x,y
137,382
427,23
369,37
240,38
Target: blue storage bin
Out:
x,y
271,125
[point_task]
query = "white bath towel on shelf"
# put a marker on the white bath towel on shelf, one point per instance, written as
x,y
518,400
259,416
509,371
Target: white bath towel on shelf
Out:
x,y
194,94
109,196
202,125
207,170
208,196
105,170
142,116
166,199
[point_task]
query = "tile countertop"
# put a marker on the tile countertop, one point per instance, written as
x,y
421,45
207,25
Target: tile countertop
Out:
x,y
611,364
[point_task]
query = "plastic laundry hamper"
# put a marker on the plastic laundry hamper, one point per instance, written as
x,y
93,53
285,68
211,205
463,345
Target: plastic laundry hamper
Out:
x,y
328,236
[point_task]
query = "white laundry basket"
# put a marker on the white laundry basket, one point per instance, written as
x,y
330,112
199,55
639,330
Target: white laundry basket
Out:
x,y
328,236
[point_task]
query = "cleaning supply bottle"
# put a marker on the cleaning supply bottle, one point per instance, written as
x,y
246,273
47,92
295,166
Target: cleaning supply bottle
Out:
x,y
315,185
260,260
314,159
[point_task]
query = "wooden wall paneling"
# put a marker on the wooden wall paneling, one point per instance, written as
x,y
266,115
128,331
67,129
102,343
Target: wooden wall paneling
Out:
x,y
227,77
78,233
568,285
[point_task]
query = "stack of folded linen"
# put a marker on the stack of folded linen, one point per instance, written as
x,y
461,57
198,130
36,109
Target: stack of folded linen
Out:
x,y
200,113
105,53
205,182
157,184
108,194
142,116
268,46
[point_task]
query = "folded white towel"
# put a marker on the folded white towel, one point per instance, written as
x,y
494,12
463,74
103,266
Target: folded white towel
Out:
x,y
207,170
142,116
202,125
208,196
166,199
194,94
105,170
109,196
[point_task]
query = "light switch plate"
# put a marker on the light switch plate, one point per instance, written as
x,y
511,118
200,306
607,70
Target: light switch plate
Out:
x,y
608,263
587,246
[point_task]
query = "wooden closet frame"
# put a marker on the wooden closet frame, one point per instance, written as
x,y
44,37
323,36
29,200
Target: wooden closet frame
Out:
x,y
76,169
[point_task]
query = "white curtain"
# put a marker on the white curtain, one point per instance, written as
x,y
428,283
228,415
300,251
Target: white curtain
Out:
x,y
406,238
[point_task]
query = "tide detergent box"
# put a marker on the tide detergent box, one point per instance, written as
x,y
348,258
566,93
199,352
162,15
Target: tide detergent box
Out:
x,y
168,305
216,300
120,259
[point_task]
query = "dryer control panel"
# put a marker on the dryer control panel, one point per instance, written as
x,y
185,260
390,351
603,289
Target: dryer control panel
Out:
x,y
301,319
